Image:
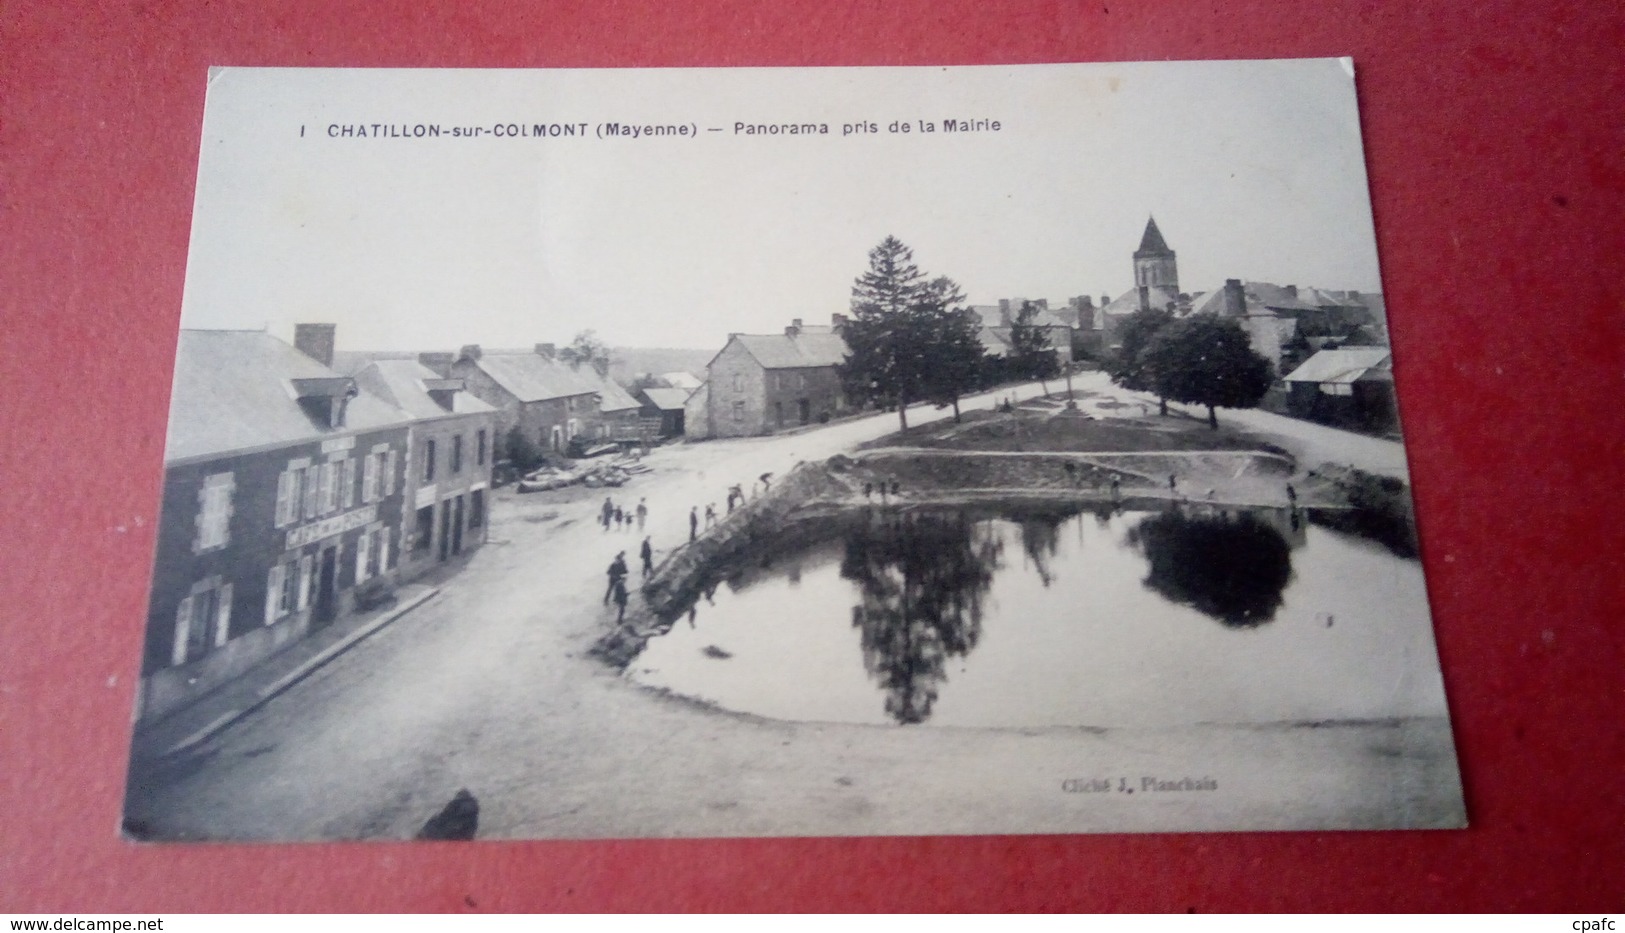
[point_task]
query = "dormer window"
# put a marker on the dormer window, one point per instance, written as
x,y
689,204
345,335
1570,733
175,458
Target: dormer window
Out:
x,y
325,398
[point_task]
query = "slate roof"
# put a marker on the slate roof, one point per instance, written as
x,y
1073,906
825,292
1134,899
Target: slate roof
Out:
x,y
1129,301
667,399
682,380
993,316
1151,242
233,391
781,351
531,377
400,382
1350,364
1277,298
993,344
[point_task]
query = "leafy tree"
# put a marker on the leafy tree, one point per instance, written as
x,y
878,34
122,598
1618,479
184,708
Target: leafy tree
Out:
x,y
1232,569
907,339
1030,352
587,348
1127,366
1206,360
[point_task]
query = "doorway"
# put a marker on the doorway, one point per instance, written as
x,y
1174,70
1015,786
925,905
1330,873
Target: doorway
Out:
x,y
326,589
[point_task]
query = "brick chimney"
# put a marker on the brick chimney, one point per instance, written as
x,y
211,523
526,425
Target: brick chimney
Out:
x,y
1235,300
439,363
837,321
315,341
470,351
793,329
1292,290
547,351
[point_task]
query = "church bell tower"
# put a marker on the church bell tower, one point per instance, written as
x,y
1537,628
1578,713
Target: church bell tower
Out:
x,y
1154,264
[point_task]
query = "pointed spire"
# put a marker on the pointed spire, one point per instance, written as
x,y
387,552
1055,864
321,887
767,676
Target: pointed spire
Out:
x,y
1152,242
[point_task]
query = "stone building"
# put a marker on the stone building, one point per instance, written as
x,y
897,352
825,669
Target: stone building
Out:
x,y
997,323
283,497
760,383
453,448
550,401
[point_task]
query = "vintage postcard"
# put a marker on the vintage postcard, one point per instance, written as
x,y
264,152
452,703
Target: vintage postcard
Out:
x,y
785,452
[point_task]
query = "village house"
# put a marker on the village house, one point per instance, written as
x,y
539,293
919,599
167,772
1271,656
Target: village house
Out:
x,y
996,323
1351,386
283,499
760,383
667,406
453,448
549,400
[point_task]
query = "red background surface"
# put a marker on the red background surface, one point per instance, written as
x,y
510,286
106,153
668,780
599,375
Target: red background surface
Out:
x,y
1495,134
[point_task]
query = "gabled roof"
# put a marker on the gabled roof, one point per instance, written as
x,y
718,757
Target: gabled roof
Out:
x,y
1213,302
1151,242
1344,366
995,316
531,377
993,343
234,391
781,351
667,399
1129,301
681,380
1277,298
401,383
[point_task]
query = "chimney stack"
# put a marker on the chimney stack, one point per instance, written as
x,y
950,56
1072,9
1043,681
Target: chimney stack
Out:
x,y
470,351
315,341
1292,290
837,321
793,329
1235,300
547,351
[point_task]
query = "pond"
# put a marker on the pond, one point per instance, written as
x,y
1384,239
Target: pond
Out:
x,y
1044,617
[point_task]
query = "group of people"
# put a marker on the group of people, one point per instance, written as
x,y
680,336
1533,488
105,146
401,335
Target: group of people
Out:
x,y
736,498
618,572
619,518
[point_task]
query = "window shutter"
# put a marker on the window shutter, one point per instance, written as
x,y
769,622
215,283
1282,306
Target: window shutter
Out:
x,y
306,565
222,617
312,474
273,592
369,478
361,547
183,624
346,483
284,495
389,472
383,549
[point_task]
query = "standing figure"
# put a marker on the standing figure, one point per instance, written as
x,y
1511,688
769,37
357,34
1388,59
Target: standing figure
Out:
x,y
1173,483
693,523
710,514
1291,495
643,512
608,512
766,484
896,488
1117,488
868,490
620,518
647,552
617,574
620,600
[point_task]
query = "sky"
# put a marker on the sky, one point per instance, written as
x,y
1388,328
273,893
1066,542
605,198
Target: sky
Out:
x,y
1253,170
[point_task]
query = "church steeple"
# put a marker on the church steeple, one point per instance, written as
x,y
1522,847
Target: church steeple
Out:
x,y
1154,263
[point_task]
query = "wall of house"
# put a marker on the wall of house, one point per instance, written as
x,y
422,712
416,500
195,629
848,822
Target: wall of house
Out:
x,y
738,393
697,414
458,500
248,623
819,386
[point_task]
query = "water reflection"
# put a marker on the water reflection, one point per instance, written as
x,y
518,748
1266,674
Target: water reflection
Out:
x,y
1032,616
921,580
1231,567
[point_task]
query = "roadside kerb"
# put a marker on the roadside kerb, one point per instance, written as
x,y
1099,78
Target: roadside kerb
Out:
x,y
270,691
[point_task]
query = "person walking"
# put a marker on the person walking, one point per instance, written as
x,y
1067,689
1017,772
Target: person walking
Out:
x,y
642,512
693,524
620,518
647,552
710,514
617,574
608,511
1117,488
620,600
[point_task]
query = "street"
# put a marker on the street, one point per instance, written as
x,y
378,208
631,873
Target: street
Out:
x,y
487,687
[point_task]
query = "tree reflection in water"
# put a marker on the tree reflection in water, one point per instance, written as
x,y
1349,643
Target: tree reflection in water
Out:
x,y
922,579
1231,568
